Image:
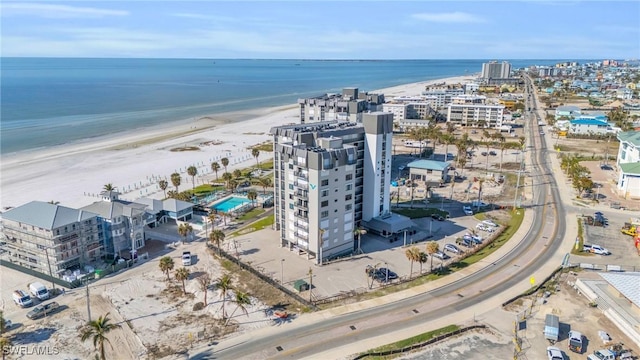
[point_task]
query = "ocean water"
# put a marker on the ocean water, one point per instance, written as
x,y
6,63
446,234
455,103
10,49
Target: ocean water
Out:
x,y
53,101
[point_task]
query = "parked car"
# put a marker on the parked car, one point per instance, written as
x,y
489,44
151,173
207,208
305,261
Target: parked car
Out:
x,y
22,299
602,354
553,353
186,258
575,341
387,274
43,310
489,223
595,249
484,153
440,255
492,153
464,242
437,217
467,210
452,248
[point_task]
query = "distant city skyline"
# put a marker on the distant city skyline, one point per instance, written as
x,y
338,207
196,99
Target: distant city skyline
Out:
x,y
323,30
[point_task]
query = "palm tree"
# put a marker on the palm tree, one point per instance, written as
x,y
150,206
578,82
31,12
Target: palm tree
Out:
x,y
224,284
216,237
359,231
227,177
241,300
182,274
503,147
204,281
172,194
184,229
215,167
252,195
256,153
412,255
237,173
447,139
192,171
422,259
233,185
419,134
98,330
163,184
175,180
432,248
265,182
166,265
224,162
109,187
211,218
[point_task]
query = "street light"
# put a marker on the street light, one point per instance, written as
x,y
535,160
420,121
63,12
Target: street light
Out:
x,y
282,272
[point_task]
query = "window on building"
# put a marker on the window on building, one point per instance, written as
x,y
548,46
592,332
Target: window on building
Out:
x,y
349,187
324,203
348,197
324,214
348,207
291,206
325,182
325,193
349,177
290,186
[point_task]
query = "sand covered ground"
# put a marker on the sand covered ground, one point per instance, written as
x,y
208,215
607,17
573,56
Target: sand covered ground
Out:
x,y
134,162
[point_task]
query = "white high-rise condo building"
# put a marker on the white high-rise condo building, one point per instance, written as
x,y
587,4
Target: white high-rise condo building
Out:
x,y
321,196
496,70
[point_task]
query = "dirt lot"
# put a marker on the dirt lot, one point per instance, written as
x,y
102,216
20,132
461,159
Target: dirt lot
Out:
x,y
497,341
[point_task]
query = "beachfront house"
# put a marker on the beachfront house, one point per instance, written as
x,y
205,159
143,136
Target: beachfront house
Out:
x,y
430,172
567,112
51,239
628,164
123,222
589,126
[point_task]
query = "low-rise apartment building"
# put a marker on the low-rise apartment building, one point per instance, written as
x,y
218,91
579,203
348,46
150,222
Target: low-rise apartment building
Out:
x,y
50,238
441,98
476,115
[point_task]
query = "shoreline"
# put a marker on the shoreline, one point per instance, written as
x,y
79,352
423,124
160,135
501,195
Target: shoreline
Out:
x,y
74,173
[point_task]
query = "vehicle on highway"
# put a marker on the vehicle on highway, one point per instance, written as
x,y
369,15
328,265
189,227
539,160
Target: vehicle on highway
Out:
x,y
553,353
22,299
440,255
467,210
43,310
452,248
575,341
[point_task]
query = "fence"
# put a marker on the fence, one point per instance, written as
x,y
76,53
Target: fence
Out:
x,y
534,289
420,345
262,276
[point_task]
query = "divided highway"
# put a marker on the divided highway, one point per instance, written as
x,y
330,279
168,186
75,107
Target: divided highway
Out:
x,y
295,341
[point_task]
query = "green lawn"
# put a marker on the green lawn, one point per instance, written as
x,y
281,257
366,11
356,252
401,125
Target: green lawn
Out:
x,y
251,214
410,341
255,226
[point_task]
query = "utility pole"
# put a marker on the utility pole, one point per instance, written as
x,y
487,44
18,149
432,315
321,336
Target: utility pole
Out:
x,y
88,305
310,282
282,272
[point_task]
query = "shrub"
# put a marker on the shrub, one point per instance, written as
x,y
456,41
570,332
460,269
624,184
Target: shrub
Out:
x,y
198,306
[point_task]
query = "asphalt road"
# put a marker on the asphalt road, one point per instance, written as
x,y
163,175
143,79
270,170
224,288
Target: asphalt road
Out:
x,y
530,254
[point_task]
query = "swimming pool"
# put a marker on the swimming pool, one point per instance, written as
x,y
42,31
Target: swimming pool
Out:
x,y
230,204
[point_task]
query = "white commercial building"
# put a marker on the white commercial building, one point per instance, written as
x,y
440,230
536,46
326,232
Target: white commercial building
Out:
x,y
476,115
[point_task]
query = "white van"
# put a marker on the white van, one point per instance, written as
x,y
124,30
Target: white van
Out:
x,y
21,298
39,290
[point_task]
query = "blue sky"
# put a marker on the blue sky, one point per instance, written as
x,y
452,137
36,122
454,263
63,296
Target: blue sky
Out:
x,y
323,29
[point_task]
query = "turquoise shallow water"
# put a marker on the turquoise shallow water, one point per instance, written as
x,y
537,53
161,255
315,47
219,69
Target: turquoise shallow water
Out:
x,y
53,101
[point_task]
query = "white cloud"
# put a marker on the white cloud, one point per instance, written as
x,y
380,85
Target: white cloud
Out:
x,y
451,17
57,11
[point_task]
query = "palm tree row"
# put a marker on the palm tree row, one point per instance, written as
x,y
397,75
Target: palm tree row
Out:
x,y
414,254
580,175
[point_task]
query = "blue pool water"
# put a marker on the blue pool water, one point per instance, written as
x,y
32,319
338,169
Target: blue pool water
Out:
x,y
230,204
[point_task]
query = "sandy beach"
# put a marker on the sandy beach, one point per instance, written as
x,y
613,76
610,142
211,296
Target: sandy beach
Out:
x,y
74,174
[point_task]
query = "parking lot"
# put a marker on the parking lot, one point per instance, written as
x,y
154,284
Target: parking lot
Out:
x,y
345,275
621,246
